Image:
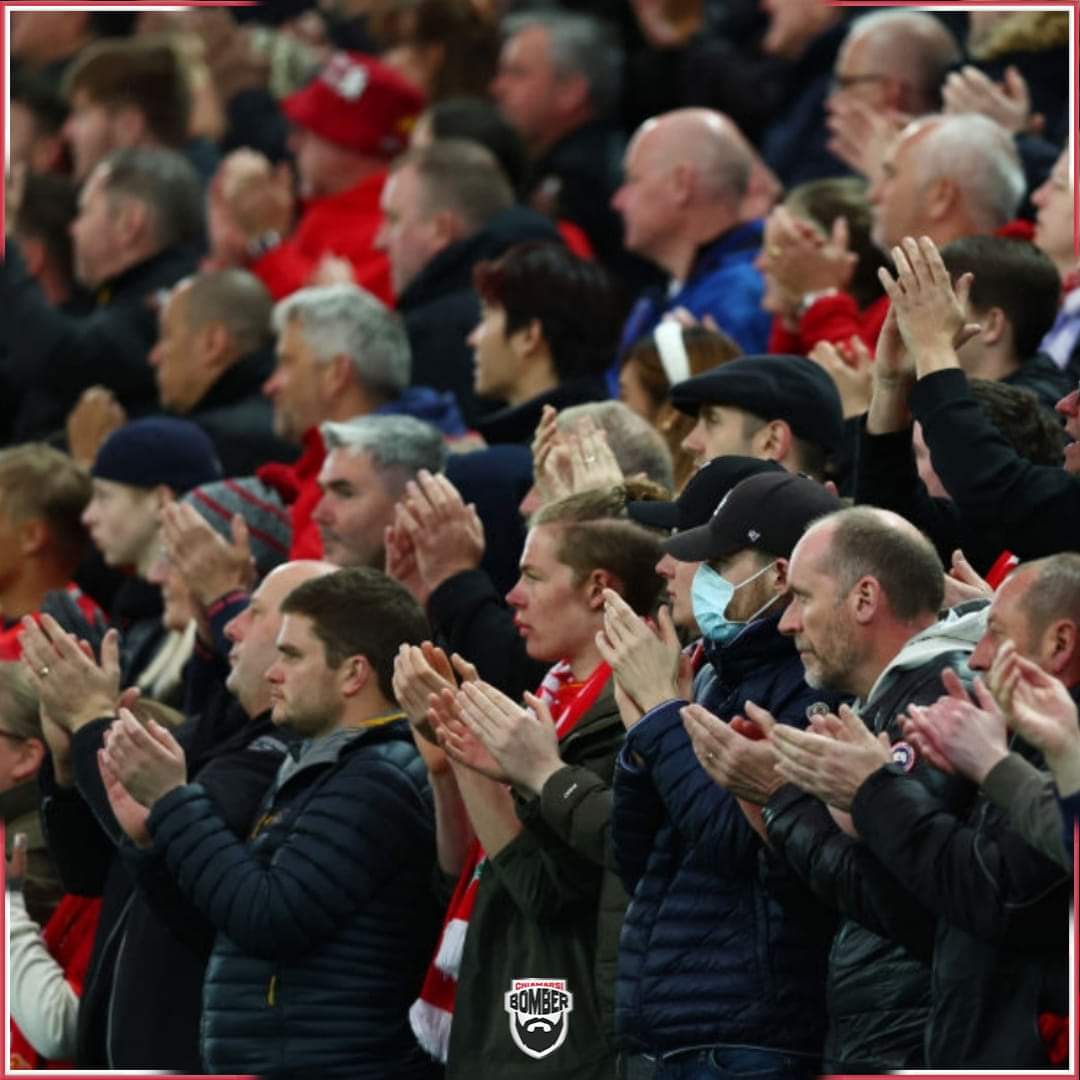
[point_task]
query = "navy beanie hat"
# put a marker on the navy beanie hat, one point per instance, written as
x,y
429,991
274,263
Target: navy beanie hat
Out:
x,y
158,450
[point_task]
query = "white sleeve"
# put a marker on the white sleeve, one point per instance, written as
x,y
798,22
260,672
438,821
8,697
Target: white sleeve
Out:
x,y
42,1001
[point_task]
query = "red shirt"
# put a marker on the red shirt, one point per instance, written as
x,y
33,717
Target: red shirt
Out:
x,y
344,225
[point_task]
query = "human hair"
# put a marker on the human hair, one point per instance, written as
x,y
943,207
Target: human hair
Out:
x,y
165,182
460,176
1032,431
399,446
823,201
1055,591
590,538
359,611
575,301
39,481
867,542
478,120
914,45
142,74
979,156
638,447
18,702
345,320
236,298
1013,275
38,95
578,45
705,349
48,206
469,41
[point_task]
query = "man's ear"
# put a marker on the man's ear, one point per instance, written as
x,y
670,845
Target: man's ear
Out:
x,y
337,375
128,126
773,441
865,599
1061,643
994,325
939,197
354,675
31,755
132,217
779,576
164,495
528,340
447,227
33,534
213,342
597,582
572,93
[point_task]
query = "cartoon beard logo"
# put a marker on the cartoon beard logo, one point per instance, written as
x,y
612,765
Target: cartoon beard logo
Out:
x,y
539,1011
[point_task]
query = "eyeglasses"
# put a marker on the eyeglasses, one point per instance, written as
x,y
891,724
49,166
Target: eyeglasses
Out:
x,y
846,82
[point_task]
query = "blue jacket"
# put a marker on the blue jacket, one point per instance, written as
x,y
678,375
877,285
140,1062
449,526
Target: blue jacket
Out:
x,y
723,283
325,917
708,956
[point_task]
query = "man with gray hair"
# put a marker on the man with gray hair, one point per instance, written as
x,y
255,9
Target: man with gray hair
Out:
x,y
686,174
368,463
447,207
342,354
558,84
946,177
140,212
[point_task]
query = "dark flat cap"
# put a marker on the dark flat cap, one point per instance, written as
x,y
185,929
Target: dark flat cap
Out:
x,y
789,388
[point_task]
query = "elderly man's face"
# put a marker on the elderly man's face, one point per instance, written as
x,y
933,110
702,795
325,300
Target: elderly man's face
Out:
x,y
95,232
645,199
526,85
818,618
896,198
356,507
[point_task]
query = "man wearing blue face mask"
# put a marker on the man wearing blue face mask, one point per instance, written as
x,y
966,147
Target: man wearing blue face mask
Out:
x,y
752,999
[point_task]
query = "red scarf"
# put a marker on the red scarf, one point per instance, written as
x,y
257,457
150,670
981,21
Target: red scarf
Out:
x,y
433,1011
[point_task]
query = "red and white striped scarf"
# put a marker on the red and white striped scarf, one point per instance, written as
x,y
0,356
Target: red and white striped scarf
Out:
x,y
433,1011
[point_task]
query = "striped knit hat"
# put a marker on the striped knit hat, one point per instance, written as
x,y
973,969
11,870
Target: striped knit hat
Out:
x,y
261,508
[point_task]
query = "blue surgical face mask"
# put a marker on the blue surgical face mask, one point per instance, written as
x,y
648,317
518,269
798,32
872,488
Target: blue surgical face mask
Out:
x,y
710,594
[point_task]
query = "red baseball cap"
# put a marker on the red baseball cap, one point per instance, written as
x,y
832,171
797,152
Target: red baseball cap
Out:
x,y
358,103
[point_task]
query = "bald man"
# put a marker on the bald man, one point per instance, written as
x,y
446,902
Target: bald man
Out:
x,y
684,202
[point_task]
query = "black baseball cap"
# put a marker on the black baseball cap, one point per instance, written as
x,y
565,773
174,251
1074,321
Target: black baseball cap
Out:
x,y
789,388
702,494
768,512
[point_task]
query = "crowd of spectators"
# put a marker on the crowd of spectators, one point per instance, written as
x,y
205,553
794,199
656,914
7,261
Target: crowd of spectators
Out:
x,y
540,539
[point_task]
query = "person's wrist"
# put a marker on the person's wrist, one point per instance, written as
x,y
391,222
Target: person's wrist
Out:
x,y
987,762
540,774
93,708
938,356
1064,764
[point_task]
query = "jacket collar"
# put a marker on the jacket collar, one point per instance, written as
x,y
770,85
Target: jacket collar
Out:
x,y
517,423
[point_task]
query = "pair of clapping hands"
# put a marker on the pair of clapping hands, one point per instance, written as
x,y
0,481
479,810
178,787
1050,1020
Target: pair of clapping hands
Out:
x,y
137,764
970,738
461,721
752,755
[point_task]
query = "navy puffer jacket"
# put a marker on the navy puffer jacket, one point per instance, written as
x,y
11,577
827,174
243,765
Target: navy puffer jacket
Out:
x,y
325,919
708,956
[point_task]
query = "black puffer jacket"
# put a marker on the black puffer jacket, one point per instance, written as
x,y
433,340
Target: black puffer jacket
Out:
x,y
325,918
879,976
1001,954
707,955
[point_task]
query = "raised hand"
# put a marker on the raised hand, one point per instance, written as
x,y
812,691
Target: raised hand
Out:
x,y
647,664
72,688
744,765
148,761
931,313
522,742
833,769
